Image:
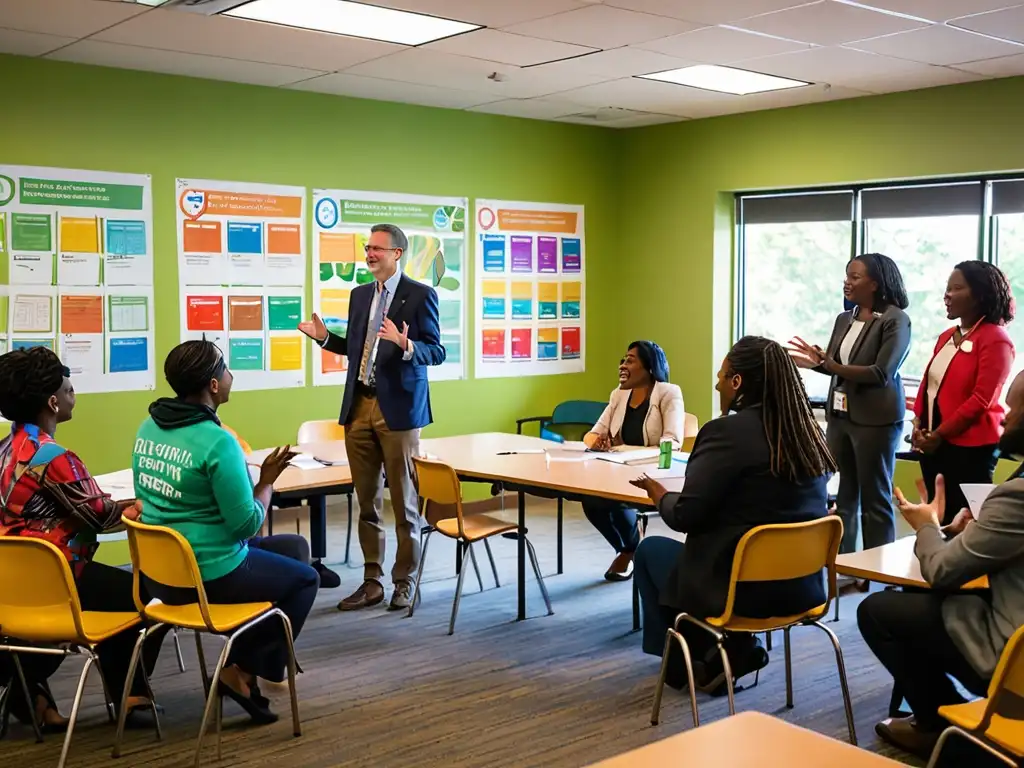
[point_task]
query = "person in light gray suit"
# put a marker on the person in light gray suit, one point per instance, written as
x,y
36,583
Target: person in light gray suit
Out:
x,y
922,637
866,402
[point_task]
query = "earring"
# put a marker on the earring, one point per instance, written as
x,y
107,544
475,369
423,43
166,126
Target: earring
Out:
x,y
56,409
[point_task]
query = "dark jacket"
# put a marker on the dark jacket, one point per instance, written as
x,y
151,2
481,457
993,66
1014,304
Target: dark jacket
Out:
x,y
402,391
729,490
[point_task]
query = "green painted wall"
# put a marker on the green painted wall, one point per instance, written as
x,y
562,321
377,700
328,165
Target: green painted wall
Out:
x,y
95,118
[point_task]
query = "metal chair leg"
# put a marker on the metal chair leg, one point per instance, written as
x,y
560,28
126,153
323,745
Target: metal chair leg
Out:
x,y
5,697
727,667
840,664
89,661
211,697
789,668
476,566
348,532
954,730
691,687
494,567
458,594
419,574
202,663
122,712
836,617
28,697
296,724
177,651
108,699
536,571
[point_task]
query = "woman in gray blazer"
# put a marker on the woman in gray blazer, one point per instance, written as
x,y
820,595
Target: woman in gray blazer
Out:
x,y
866,403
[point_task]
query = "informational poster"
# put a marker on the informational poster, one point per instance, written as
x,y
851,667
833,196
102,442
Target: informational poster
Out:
x,y
78,246
436,228
242,276
530,289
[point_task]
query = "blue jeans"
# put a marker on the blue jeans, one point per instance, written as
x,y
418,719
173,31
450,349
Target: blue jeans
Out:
x,y
652,564
264,576
615,521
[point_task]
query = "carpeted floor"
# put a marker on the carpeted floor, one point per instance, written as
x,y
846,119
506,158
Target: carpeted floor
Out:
x,y
383,690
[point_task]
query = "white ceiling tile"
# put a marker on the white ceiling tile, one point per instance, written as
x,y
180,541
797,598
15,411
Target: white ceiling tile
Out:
x,y
1007,66
515,49
30,43
938,45
721,45
240,39
614,63
65,18
175,63
1008,23
706,11
857,69
939,10
644,95
419,65
790,97
491,13
538,109
828,23
391,90
601,26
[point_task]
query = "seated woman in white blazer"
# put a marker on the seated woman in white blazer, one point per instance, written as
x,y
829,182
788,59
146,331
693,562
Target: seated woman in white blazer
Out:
x,y
643,411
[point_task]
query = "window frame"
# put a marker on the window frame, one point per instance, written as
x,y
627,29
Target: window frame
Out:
x,y
988,241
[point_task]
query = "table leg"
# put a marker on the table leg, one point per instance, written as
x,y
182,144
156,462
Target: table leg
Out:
x,y
559,544
317,525
521,566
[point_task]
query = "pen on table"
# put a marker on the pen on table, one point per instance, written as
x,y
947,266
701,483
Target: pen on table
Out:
x,y
514,453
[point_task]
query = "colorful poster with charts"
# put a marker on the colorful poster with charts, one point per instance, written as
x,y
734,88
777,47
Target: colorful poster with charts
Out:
x,y
436,228
530,289
242,276
78,246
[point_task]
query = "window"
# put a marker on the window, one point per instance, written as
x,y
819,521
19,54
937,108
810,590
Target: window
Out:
x,y
793,248
796,247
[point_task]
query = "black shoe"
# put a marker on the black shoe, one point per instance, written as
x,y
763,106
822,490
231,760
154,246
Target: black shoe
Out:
x,y
328,578
260,715
712,681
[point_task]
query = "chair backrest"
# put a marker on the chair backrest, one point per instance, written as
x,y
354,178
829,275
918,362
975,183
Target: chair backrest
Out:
x,y
246,448
165,556
572,419
1008,677
785,551
38,582
320,431
690,429
438,483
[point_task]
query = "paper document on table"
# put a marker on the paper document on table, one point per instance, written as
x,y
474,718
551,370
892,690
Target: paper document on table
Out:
x,y
976,493
306,461
630,455
336,461
573,445
561,454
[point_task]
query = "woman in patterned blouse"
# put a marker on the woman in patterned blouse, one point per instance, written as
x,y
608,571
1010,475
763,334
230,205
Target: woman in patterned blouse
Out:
x,y
46,492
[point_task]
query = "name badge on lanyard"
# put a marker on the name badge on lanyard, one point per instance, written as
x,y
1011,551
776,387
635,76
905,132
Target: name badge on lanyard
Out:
x,y
839,402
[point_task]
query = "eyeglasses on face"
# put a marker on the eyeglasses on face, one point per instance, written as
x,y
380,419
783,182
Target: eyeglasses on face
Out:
x,y
377,250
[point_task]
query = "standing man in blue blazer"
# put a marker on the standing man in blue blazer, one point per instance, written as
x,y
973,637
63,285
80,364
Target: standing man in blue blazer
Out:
x,y
393,334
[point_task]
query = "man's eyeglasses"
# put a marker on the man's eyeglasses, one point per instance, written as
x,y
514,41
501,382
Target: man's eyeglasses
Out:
x,y
376,250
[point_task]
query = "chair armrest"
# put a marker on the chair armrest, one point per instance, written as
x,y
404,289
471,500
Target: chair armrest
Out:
x,y
528,419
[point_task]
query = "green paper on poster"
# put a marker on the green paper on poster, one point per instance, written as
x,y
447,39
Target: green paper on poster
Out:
x,y
3,234
80,194
246,354
285,312
31,232
3,314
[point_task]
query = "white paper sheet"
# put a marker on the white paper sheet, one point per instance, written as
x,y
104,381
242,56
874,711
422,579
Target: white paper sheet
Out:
x,y
976,493
31,313
82,353
78,269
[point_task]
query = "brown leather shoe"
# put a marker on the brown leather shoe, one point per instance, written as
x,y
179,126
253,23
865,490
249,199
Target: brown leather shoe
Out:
x,y
903,732
370,592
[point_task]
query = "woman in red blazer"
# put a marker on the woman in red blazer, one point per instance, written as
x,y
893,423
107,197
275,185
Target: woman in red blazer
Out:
x,y
959,416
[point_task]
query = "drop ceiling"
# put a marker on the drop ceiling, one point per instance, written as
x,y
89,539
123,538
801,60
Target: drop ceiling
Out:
x,y
565,60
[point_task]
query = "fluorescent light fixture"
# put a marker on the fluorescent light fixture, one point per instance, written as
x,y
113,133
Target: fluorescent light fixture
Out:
x,y
354,19
711,77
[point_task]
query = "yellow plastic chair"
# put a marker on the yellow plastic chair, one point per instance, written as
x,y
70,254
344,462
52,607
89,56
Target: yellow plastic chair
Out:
x,y
690,429
982,721
44,610
325,431
166,557
438,483
769,553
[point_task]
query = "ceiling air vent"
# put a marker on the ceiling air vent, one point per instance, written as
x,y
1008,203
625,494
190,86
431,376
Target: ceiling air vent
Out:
x,y
606,114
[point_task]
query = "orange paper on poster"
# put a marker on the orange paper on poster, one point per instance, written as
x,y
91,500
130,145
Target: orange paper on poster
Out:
x,y
81,314
332,363
283,239
537,221
202,237
204,313
252,204
337,247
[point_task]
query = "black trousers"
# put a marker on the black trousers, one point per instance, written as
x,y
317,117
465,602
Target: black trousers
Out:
x,y
958,464
906,632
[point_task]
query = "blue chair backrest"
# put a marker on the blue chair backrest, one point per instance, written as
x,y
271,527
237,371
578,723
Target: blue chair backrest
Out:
x,y
571,420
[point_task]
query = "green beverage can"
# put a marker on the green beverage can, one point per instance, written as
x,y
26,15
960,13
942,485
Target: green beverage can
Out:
x,y
665,456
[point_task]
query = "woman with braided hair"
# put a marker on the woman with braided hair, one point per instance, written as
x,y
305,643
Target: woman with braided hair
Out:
x,y
47,493
765,463
958,416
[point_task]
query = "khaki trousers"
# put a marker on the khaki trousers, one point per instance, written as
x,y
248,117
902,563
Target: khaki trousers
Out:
x,y
373,450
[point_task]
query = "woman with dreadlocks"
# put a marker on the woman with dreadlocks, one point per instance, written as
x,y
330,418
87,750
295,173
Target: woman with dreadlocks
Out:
x,y
958,416
47,493
765,463
866,402
191,475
